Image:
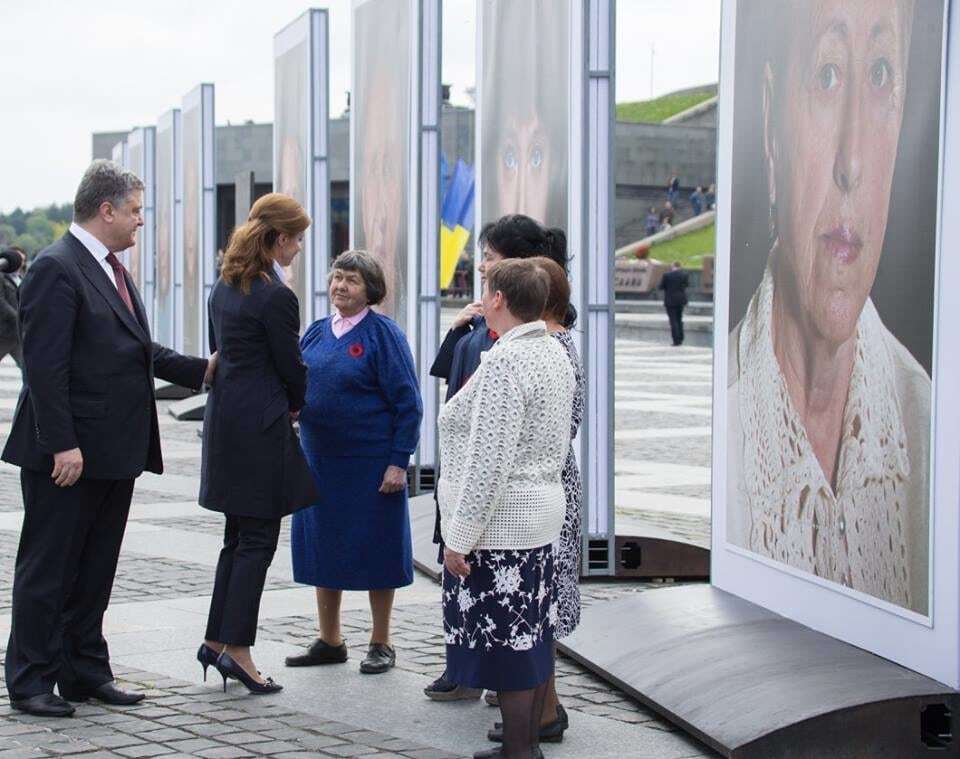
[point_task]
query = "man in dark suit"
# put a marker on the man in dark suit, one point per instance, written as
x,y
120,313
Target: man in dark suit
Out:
x,y
12,260
674,285
85,428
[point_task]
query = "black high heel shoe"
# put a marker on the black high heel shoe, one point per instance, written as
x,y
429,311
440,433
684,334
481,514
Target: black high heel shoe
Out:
x,y
207,657
227,667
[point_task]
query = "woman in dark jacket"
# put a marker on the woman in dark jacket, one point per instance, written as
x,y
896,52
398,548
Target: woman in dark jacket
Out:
x,y
253,470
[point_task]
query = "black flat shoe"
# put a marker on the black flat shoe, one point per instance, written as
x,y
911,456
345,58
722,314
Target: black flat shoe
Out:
x,y
108,693
442,689
43,705
552,732
207,658
561,715
319,653
228,667
497,753
380,657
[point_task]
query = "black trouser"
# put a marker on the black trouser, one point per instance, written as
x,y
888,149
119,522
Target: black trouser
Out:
x,y
69,545
675,314
248,547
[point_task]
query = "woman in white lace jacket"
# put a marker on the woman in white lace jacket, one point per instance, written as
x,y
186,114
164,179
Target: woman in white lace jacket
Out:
x,y
503,442
828,468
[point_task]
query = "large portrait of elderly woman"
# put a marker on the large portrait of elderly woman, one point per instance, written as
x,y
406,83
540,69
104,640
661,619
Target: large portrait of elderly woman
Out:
x,y
380,110
292,93
834,204
524,96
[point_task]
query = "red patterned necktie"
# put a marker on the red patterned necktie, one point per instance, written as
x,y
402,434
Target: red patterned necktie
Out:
x,y
118,272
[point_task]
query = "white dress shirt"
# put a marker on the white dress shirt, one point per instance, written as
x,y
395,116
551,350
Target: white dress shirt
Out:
x,y
96,248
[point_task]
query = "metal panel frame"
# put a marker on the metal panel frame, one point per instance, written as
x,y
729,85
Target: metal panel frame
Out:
x,y
145,138
428,271
202,96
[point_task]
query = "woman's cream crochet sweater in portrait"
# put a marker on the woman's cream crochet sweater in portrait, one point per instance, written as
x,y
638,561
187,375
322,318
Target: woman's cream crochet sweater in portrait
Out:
x,y
871,531
503,441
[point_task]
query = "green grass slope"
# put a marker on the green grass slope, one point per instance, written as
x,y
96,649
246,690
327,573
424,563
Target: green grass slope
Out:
x,y
689,249
656,110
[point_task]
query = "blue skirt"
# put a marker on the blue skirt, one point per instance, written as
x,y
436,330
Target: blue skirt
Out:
x,y
354,537
498,621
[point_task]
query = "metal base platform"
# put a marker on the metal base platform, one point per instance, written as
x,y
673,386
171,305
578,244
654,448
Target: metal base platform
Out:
x,y
654,554
167,391
189,409
752,684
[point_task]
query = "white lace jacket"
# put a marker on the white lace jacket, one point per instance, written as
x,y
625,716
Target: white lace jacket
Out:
x,y
872,533
503,440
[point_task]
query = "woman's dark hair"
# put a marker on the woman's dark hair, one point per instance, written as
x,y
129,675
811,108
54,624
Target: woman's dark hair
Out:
x,y
369,269
519,236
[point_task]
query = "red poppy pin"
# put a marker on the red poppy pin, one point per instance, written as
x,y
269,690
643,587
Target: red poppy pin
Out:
x,y
493,335
355,350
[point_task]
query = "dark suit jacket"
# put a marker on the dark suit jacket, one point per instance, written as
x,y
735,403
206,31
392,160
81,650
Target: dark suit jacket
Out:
x,y
89,366
252,463
9,303
674,285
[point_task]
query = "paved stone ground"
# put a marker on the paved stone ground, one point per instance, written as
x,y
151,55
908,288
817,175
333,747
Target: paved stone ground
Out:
x,y
157,616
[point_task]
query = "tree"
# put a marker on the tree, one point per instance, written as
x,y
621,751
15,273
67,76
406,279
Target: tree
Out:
x,y
7,234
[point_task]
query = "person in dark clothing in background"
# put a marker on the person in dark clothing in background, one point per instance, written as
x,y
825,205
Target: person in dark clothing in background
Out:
x,y
697,200
651,224
14,259
674,285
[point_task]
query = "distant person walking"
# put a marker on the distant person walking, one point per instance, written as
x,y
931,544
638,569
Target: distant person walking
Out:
x,y
666,215
651,224
674,285
673,189
12,259
697,200
710,197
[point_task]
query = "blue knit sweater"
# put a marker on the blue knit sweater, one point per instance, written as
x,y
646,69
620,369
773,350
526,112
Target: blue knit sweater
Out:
x,y
363,398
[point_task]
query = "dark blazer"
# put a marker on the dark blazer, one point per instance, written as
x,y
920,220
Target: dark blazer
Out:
x,y
89,366
252,463
9,303
674,285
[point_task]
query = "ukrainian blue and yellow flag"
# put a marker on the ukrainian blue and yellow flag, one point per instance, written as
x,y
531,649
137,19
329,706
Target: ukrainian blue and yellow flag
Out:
x,y
456,217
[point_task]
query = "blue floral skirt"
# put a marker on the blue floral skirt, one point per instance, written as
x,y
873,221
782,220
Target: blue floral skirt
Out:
x,y
498,621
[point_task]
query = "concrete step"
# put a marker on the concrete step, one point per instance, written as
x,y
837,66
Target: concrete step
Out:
x,y
651,305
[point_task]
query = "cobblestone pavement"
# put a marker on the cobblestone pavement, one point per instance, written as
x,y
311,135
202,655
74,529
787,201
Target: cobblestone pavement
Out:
x,y
156,620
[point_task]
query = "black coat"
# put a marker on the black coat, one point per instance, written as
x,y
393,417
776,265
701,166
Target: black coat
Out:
x,y
88,367
9,303
674,285
253,465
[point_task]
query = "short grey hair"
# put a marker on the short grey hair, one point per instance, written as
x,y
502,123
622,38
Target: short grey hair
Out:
x,y
369,269
103,182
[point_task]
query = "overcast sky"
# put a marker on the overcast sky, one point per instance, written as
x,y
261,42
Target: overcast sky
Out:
x,y
68,69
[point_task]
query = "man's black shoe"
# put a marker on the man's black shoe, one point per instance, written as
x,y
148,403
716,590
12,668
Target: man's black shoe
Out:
x,y
44,705
319,653
108,693
380,657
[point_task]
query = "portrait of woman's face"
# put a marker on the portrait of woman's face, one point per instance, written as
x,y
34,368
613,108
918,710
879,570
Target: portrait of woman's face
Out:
x,y
834,211
833,116
381,110
524,97
523,169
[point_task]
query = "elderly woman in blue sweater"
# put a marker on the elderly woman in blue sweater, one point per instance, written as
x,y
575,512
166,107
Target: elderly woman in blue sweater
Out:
x,y
360,424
